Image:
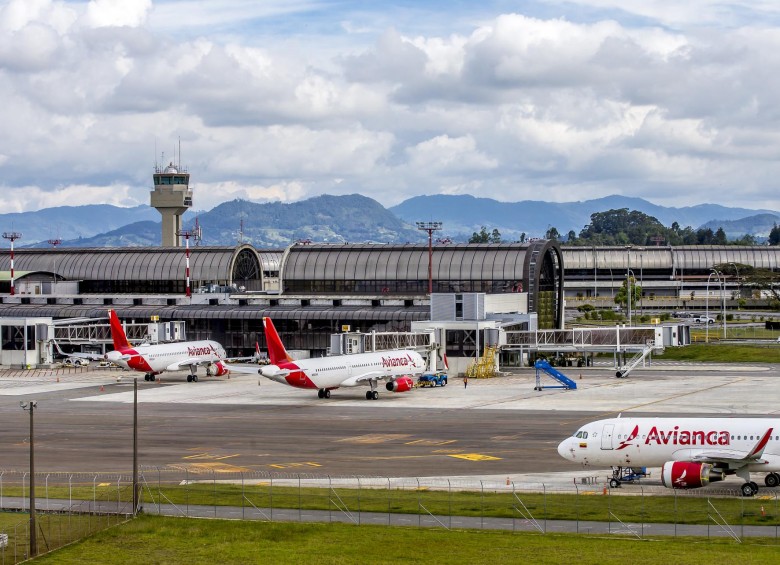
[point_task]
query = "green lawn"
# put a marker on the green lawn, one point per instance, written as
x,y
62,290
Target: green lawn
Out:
x,y
171,541
683,508
725,353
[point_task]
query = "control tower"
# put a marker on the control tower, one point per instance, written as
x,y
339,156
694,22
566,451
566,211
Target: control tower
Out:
x,y
172,196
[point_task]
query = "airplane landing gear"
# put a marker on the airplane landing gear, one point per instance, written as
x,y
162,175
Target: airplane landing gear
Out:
x,y
614,482
149,377
772,480
372,394
749,489
192,378
323,393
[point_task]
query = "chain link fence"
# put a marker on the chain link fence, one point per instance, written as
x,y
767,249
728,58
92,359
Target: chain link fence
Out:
x,y
72,506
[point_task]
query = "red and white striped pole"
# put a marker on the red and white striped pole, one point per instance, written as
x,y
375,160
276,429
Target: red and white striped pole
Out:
x,y
187,234
13,236
187,269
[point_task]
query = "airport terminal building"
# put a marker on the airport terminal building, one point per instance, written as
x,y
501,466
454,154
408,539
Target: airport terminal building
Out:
x,y
311,291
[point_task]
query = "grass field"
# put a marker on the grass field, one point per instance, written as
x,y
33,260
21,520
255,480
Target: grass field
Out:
x,y
723,353
682,508
150,540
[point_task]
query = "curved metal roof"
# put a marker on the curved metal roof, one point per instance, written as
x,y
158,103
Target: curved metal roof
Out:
x,y
299,313
686,257
489,261
138,263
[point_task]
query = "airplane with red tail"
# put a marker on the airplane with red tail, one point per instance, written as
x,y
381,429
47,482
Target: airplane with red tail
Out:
x,y
156,359
395,368
692,452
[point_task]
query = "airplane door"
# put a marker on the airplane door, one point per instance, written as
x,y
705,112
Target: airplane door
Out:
x,y
606,436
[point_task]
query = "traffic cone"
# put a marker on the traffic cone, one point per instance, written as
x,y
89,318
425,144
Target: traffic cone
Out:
x,y
762,511
507,481
101,388
58,379
605,490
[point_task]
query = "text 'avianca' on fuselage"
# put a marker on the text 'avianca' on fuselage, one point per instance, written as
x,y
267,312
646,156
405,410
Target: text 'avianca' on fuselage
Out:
x,y
395,368
692,452
155,359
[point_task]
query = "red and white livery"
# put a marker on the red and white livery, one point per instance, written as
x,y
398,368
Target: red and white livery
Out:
x,y
156,359
692,452
396,368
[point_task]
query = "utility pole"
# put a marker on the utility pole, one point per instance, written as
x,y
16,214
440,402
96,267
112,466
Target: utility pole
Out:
x,y
135,446
429,227
187,234
30,406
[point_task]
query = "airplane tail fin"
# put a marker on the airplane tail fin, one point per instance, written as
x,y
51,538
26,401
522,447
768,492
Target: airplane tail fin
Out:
x,y
276,351
117,333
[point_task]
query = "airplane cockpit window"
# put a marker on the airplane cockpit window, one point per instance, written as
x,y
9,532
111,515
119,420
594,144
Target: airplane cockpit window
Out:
x,y
578,434
584,435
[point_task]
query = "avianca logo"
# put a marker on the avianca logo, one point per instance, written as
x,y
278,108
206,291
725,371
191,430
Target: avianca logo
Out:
x,y
397,361
631,437
687,437
680,481
196,351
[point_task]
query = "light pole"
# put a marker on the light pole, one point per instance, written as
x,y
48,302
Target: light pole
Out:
x,y
722,284
739,283
628,283
707,304
54,243
429,227
33,539
12,236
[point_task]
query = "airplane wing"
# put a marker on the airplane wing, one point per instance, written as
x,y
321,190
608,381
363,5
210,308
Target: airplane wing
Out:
x,y
365,377
247,369
735,458
80,355
186,363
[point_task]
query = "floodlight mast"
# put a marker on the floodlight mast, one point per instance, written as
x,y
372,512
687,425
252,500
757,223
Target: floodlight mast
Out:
x,y
429,227
12,236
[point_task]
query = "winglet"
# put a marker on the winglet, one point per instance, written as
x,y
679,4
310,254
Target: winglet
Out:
x,y
276,351
117,333
756,452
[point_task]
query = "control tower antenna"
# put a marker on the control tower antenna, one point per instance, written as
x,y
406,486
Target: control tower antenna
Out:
x,y
172,196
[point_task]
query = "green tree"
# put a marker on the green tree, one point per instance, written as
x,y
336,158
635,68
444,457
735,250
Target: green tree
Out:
x,y
484,237
774,235
622,295
720,237
552,233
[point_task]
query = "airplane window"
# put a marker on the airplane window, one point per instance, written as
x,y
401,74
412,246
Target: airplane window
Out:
x,y
579,435
739,437
584,435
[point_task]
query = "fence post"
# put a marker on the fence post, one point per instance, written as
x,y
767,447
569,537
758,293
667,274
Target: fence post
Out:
x,y
300,502
271,497
243,495
419,516
1,488
642,494
159,494
481,505
46,488
544,494
449,500
577,506
214,478
187,489
330,511
674,493
389,503
70,499
358,480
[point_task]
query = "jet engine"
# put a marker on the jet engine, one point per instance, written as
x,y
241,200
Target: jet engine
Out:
x,y
218,369
401,384
687,475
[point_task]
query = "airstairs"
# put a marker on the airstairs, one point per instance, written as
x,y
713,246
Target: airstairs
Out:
x,y
543,365
634,362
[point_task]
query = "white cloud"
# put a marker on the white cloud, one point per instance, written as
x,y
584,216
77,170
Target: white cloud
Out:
x,y
273,100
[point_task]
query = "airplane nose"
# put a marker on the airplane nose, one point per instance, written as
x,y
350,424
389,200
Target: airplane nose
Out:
x,y
564,449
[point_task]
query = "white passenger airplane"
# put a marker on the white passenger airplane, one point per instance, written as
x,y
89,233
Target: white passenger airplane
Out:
x,y
328,373
155,359
692,452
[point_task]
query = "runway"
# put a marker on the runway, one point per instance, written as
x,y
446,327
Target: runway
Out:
x,y
494,427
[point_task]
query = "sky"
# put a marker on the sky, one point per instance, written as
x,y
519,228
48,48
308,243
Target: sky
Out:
x,y
282,100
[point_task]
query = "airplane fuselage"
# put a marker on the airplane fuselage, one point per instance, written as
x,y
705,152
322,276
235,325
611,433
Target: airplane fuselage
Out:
x,y
651,442
337,371
165,356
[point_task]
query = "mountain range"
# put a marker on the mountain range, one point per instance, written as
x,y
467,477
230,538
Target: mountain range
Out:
x,y
356,218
